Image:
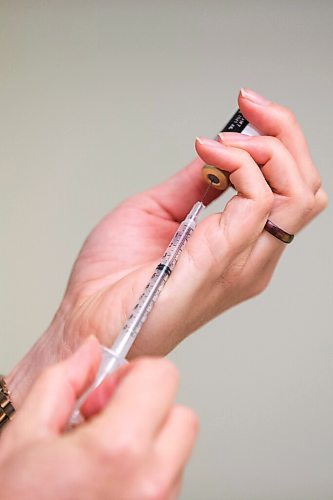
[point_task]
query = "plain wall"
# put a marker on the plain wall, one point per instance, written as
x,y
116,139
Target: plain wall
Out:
x,y
92,91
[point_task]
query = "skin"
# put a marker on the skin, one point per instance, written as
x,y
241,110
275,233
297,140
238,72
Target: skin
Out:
x,y
228,259
134,444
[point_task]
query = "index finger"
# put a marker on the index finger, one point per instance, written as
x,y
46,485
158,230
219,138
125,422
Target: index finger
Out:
x,y
140,402
47,408
278,121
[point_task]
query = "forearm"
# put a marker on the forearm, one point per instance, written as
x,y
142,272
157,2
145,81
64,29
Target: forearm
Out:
x,y
49,349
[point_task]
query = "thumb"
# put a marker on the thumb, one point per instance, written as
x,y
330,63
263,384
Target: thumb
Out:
x,y
177,195
52,398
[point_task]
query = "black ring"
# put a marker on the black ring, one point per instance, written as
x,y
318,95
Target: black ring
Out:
x,y
279,233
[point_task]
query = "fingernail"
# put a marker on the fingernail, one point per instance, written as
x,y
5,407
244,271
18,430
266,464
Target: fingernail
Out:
x,y
253,97
204,141
226,137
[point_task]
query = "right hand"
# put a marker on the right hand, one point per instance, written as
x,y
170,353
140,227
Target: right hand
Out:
x,y
134,445
228,259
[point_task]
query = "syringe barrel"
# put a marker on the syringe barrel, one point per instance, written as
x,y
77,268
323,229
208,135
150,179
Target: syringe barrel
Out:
x,y
156,283
181,236
113,358
133,325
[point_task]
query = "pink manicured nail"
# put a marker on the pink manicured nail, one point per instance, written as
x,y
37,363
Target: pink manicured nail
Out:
x,y
204,141
253,97
226,137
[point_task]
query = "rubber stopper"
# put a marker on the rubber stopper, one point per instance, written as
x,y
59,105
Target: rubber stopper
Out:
x,y
216,177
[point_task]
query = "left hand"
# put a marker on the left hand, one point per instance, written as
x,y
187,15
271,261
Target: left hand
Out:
x,y
228,259
134,444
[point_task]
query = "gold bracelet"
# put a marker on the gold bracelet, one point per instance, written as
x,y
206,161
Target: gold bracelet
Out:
x,y
7,409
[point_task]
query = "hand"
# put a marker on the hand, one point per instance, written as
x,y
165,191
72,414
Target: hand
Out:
x,y
228,259
134,445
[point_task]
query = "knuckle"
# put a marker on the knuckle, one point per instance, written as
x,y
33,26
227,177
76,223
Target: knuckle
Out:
x,y
244,157
321,200
316,183
125,451
158,365
306,203
272,142
154,488
144,364
169,369
288,116
266,200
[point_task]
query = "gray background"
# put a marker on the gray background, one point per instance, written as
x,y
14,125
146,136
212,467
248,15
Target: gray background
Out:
x,y
101,99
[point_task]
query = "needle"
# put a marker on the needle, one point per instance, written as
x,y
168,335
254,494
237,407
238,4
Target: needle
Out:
x,y
206,192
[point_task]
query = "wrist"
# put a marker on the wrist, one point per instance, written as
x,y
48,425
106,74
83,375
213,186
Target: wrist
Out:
x,y
49,349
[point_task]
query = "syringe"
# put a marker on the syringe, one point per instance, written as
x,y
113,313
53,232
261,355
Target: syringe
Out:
x,y
115,357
